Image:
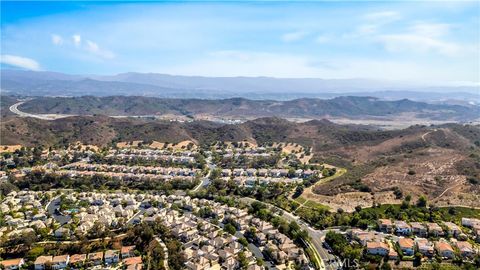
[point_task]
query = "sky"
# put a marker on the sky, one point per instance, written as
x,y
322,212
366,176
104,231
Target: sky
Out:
x,y
417,41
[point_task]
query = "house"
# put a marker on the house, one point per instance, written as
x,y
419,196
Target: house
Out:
x,y
127,251
12,264
419,229
406,246
42,261
62,232
424,246
133,263
392,254
254,267
230,264
60,262
378,248
401,227
453,229
470,222
434,229
385,225
112,256
77,260
362,236
95,258
465,248
444,249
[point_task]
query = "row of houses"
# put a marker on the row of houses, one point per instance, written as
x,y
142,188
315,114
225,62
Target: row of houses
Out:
x,y
147,152
125,256
171,171
274,173
409,246
127,177
379,243
428,229
252,181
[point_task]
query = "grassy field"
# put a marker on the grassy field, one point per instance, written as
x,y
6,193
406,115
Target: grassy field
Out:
x,y
312,204
305,202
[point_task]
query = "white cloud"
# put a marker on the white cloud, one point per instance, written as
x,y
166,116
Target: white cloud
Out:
x,y
373,22
419,43
87,45
245,63
57,39
431,29
423,38
93,47
252,63
19,61
322,39
77,40
382,15
294,36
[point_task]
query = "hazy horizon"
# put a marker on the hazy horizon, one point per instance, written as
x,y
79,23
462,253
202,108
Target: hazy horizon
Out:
x,y
432,43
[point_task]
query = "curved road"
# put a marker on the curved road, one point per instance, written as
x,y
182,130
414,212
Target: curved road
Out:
x,y
14,109
316,236
52,209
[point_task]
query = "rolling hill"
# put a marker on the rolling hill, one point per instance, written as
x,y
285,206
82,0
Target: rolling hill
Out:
x,y
43,83
441,161
240,108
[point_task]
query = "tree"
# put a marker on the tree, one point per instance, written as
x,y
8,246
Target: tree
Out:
x,y
422,201
229,228
242,260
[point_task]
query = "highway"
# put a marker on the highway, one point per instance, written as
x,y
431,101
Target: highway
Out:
x,y
14,109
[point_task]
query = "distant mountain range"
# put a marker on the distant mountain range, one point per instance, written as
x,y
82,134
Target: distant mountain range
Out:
x,y
239,108
31,83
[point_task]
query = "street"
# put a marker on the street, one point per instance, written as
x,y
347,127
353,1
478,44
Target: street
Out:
x,y
53,208
316,236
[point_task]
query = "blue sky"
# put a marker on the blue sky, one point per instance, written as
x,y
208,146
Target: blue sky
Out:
x,y
408,41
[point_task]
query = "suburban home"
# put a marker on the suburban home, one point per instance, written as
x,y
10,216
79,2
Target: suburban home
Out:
x,y
127,251
466,249
12,264
419,229
434,229
425,247
112,256
42,261
444,249
62,232
453,229
401,227
60,262
254,267
77,260
392,254
95,258
378,248
470,222
133,263
385,225
406,246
